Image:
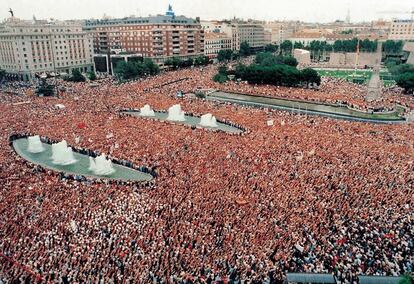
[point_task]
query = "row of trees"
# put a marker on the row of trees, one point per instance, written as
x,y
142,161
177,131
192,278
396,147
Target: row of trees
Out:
x,y
366,45
176,62
273,70
278,75
133,70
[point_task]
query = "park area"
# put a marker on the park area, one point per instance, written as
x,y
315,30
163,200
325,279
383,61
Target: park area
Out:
x,y
356,76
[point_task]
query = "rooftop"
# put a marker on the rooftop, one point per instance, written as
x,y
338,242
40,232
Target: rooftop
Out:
x,y
159,19
210,35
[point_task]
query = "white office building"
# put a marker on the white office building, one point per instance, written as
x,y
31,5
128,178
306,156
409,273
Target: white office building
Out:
x,y
30,48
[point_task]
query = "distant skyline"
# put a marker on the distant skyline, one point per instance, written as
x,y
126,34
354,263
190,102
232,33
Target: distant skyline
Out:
x,y
304,10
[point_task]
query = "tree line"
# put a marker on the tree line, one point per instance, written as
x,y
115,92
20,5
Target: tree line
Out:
x,y
273,70
351,45
133,70
176,62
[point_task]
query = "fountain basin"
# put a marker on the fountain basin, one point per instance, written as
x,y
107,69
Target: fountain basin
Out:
x,y
190,120
81,167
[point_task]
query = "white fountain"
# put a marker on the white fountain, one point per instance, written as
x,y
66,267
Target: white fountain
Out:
x,y
92,164
62,154
208,120
146,111
175,113
35,145
101,166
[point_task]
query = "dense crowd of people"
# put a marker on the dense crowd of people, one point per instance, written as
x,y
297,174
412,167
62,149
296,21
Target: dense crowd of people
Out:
x,y
306,194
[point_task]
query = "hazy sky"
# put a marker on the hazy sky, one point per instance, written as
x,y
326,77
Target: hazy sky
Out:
x,y
304,10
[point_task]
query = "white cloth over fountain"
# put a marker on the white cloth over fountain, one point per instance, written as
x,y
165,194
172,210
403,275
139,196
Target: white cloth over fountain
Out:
x,y
62,154
146,111
208,120
35,145
101,166
175,113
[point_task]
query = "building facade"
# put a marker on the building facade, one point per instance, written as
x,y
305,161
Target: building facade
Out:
x,y
250,32
401,30
214,42
280,31
29,48
239,31
157,37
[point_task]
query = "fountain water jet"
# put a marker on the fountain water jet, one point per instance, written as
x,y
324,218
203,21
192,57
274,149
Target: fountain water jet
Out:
x,y
35,145
175,113
92,164
101,166
208,120
146,111
62,154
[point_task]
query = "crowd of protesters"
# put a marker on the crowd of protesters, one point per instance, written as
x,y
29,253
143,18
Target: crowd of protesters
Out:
x,y
305,194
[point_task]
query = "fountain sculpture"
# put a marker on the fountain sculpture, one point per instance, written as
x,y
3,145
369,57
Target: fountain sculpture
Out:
x,y
175,113
35,145
62,154
146,111
208,120
101,166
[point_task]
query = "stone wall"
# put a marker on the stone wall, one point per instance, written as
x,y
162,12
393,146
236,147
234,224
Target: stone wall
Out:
x,y
348,59
302,56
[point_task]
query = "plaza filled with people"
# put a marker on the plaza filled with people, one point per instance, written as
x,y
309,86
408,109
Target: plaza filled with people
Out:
x,y
303,194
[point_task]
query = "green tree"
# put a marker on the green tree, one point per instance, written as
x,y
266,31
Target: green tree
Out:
x,y
270,48
201,60
186,63
223,70
290,60
174,62
225,55
286,47
298,45
220,78
245,49
132,70
400,69
77,76
126,70
2,74
406,81
265,56
310,76
92,76
149,67
392,47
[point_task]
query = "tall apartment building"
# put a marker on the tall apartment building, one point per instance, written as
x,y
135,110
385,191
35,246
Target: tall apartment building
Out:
x,y
250,32
280,31
33,47
214,42
402,30
158,37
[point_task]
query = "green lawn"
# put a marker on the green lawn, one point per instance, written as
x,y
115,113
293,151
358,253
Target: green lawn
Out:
x,y
351,74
